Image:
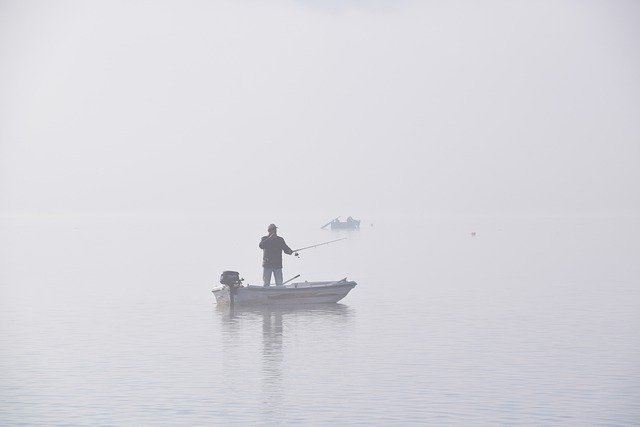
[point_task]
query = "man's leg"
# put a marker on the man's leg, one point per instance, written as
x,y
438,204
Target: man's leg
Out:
x,y
277,273
266,276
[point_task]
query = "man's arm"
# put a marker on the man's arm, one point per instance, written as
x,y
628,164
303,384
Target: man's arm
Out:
x,y
261,244
286,249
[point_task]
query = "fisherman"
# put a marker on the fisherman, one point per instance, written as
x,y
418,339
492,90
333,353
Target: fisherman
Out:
x,y
272,247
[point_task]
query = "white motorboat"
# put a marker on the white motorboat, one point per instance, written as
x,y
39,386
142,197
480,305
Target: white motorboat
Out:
x,y
292,294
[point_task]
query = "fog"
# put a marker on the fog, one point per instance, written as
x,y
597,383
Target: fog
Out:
x,y
320,108
491,150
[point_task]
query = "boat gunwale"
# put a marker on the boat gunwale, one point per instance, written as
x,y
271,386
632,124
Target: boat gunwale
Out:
x,y
291,287
261,288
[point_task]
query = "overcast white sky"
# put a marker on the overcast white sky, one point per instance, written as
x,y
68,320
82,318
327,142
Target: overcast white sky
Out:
x,y
351,107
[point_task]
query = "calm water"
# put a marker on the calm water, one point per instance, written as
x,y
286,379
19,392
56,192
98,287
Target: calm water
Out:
x,y
110,321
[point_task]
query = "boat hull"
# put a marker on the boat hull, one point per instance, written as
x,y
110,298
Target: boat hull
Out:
x,y
294,294
353,225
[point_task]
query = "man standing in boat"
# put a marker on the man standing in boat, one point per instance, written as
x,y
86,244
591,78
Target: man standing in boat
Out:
x,y
272,247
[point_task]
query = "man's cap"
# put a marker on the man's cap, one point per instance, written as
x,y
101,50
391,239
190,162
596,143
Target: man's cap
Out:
x,y
271,227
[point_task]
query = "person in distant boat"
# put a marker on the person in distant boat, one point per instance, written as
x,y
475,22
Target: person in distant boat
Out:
x,y
272,247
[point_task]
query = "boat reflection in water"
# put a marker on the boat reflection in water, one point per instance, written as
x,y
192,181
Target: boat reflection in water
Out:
x,y
292,336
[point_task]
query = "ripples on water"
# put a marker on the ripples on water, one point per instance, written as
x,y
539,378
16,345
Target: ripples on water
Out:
x,y
528,322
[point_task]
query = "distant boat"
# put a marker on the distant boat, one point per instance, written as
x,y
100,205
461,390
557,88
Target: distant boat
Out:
x,y
349,224
289,294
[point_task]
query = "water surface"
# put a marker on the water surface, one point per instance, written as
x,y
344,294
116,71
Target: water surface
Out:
x,y
110,321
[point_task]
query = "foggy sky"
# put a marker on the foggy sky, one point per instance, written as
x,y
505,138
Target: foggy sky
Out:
x,y
329,107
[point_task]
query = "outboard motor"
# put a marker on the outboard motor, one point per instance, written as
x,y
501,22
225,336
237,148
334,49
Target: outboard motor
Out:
x,y
233,281
230,278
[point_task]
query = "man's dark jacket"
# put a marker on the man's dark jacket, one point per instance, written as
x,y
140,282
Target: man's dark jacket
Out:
x,y
272,249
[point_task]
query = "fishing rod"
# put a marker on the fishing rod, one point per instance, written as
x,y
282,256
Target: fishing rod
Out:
x,y
315,246
294,277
